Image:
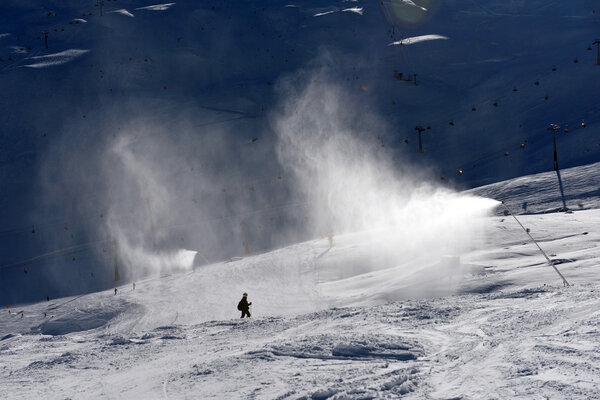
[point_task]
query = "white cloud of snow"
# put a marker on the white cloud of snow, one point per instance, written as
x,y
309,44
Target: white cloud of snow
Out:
x,y
352,184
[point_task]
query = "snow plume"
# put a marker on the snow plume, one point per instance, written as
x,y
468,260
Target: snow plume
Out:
x,y
351,183
140,185
149,193
172,186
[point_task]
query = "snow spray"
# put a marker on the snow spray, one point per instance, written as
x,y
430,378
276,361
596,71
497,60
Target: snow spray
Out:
x,y
353,184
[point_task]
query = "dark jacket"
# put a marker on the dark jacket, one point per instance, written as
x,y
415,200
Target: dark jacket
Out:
x,y
243,304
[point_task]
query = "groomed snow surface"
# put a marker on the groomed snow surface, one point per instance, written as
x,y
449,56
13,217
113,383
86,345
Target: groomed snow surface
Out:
x,y
495,322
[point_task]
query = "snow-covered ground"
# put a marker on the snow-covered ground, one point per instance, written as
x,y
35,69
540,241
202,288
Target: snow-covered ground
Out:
x,y
492,322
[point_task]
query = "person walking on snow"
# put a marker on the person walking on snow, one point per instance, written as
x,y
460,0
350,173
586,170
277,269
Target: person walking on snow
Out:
x,y
244,306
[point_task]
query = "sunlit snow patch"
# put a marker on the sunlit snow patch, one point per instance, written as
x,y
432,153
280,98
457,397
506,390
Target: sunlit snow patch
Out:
x,y
412,3
157,7
325,13
418,39
123,11
357,10
50,60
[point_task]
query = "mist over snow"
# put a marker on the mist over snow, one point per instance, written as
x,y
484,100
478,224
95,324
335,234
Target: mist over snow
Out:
x,y
349,184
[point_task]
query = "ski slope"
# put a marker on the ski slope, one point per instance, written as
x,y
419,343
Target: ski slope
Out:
x,y
313,154
163,125
492,322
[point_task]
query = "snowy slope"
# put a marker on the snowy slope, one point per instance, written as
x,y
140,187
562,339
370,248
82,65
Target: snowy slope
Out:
x,y
153,141
541,192
494,323
161,126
